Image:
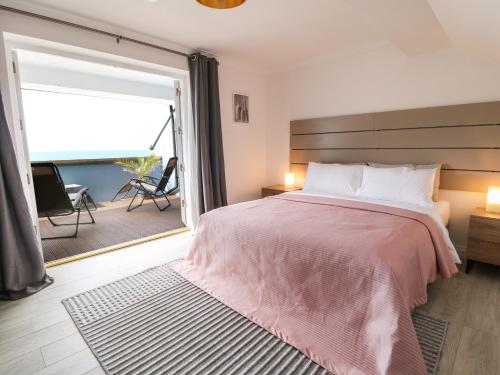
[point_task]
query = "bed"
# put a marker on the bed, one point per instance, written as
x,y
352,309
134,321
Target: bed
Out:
x,y
334,276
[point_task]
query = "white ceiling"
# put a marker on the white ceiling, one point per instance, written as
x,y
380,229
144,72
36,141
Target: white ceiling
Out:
x,y
79,66
50,72
271,34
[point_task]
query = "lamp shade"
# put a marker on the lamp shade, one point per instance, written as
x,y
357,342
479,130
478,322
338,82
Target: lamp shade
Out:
x,y
493,199
289,179
221,4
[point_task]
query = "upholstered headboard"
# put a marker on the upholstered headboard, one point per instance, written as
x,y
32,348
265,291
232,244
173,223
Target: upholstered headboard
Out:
x,y
465,138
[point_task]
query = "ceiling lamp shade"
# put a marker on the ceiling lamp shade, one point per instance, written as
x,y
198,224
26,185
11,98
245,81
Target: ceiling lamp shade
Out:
x,y
221,4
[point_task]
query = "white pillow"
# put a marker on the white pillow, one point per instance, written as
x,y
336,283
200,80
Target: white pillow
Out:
x,y
401,184
437,179
333,179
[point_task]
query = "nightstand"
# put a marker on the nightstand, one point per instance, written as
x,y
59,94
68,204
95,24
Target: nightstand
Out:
x,y
483,244
277,189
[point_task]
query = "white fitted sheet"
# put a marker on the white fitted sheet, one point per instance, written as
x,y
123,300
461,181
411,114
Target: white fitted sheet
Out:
x,y
444,211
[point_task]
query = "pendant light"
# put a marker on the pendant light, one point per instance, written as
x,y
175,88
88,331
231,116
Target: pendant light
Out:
x,y
221,4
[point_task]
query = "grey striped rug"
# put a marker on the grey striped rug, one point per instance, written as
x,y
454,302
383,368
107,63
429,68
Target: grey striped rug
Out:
x,y
156,322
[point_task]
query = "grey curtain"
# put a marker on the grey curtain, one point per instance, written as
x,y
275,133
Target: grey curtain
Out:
x,y
208,132
22,271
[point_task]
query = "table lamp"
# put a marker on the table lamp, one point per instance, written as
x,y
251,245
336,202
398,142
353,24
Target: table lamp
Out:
x,y
290,180
493,199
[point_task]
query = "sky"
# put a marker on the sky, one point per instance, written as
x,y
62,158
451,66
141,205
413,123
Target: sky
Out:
x,y
63,122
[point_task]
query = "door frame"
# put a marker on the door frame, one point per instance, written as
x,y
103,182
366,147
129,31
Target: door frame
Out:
x,y
18,133
23,151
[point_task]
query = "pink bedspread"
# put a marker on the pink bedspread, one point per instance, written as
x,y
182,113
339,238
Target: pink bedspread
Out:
x,y
334,278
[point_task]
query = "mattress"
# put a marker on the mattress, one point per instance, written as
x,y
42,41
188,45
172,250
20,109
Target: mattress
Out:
x,y
444,211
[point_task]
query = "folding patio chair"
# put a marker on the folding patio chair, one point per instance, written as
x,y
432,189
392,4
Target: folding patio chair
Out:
x,y
52,199
152,187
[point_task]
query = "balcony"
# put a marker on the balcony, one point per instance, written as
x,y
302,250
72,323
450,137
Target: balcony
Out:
x,y
114,227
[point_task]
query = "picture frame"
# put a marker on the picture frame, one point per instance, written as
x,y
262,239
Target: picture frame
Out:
x,y
241,108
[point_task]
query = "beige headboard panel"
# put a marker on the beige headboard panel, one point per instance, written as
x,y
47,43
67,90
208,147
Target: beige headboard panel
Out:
x,y
465,138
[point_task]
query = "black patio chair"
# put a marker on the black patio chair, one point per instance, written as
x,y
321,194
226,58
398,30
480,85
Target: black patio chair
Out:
x,y
52,199
152,187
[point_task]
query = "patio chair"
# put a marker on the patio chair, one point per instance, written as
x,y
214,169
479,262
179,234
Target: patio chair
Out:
x,y
152,187
52,199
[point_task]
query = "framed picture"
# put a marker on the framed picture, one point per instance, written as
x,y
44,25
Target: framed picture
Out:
x,y
241,108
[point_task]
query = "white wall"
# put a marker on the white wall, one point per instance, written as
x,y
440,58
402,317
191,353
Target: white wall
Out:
x,y
244,144
380,78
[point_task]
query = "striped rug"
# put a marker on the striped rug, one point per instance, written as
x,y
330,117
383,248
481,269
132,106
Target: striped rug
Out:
x,y
156,322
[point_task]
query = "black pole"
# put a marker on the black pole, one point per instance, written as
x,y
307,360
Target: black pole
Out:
x,y
117,37
174,146
171,117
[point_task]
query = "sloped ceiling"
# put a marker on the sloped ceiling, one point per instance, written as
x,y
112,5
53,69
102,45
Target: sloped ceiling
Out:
x,y
471,25
409,24
272,34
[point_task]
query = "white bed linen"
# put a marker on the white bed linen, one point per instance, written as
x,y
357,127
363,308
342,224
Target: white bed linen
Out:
x,y
444,211
407,185
436,212
333,178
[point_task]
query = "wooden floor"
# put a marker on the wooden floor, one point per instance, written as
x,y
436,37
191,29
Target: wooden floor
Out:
x,y
471,303
114,225
37,336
